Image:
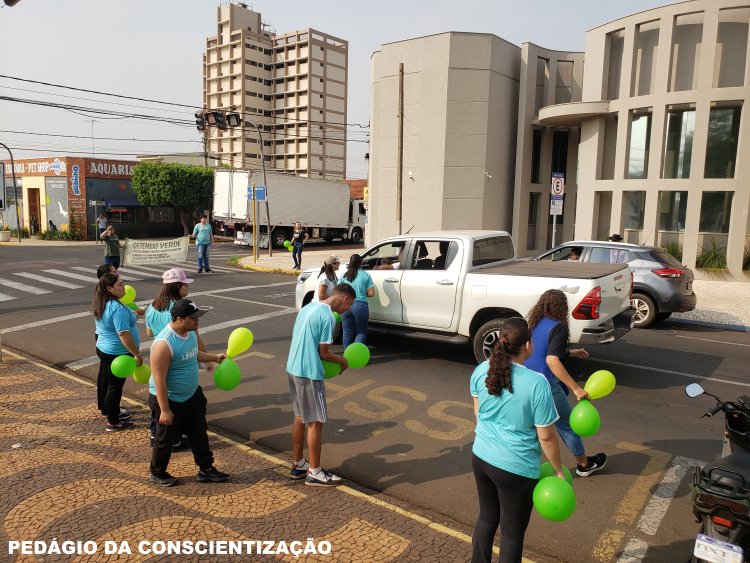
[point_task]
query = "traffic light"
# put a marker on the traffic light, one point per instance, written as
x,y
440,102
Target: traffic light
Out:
x,y
217,119
234,120
200,121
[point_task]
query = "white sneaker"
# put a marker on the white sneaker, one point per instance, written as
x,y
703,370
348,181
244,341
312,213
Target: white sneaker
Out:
x,y
299,471
322,478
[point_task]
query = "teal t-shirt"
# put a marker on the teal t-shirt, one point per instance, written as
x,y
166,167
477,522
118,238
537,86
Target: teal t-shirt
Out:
x,y
506,424
182,375
202,233
313,327
362,282
116,318
157,320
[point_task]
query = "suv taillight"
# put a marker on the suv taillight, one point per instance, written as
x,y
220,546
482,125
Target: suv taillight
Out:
x,y
588,308
668,272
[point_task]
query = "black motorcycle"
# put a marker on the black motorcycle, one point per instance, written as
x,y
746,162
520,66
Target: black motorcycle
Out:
x,y
721,489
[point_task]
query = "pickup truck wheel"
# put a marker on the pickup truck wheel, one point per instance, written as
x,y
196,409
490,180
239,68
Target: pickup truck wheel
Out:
x,y
486,338
645,310
279,236
356,237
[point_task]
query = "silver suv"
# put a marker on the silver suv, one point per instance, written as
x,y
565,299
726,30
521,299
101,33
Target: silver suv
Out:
x,y
661,285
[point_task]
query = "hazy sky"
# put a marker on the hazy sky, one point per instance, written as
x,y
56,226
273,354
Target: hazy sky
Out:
x,y
153,49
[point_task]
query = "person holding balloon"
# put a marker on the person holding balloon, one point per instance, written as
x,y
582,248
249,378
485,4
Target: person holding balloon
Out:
x,y
117,335
311,339
354,321
176,396
515,414
548,320
299,237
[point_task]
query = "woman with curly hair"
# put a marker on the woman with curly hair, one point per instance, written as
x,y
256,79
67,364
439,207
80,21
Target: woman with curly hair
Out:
x,y
548,321
515,414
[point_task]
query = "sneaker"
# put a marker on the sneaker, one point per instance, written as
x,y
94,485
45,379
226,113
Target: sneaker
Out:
x,y
124,415
209,270
322,479
200,270
165,479
212,475
122,425
299,471
181,443
596,463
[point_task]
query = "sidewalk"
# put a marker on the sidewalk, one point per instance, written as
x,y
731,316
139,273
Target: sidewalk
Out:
x,y
63,478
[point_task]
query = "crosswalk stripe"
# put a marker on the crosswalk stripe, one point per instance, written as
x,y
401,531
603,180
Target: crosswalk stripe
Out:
x,y
5,297
142,274
63,273
85,269
155,269
43,279
24,287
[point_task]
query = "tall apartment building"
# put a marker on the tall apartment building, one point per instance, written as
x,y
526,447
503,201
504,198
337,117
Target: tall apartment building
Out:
x,y
292,85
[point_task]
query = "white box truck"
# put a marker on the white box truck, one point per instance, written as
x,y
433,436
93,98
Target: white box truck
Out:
x,y
322,206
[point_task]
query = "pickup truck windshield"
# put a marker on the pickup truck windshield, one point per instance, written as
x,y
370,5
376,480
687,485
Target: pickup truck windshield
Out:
x,y
492,249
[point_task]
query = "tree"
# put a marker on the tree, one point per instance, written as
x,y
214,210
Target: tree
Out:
x,y
183,186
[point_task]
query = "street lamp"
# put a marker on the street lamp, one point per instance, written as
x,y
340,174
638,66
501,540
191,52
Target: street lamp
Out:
x,y
15,185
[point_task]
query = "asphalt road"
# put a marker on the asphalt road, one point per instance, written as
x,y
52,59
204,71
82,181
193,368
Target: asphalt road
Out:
x,y
403,424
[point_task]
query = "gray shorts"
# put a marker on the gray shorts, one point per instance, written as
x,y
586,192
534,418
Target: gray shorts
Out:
x,y
308,398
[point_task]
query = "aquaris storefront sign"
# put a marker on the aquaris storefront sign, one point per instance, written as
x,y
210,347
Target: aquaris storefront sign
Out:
x,y
59,167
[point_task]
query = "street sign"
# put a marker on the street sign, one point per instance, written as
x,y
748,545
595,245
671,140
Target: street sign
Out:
x,y
558,183
260,193
556,205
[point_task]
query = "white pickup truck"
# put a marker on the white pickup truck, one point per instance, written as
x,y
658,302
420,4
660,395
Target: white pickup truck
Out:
x,y
460,286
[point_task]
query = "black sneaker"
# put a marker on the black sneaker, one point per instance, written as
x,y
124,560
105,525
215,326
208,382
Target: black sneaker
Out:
x,y
211,475
596,463
122,425
322,479
165,479
299,471
124,415
180,444
200,270
209,270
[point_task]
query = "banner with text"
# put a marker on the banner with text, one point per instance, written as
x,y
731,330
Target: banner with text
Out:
x,y
143,252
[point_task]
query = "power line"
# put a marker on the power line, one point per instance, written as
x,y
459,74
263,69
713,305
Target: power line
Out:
x,y
101,138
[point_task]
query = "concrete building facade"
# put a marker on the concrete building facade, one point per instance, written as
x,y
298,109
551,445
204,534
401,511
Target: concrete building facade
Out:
x,y
649,134
293,86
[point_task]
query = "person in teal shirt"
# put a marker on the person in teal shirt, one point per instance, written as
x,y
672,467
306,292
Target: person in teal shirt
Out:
x,y
354,321
204,238
311,339
515,416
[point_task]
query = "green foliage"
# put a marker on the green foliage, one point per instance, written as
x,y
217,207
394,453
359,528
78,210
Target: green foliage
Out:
x,y
175,185
746,259
58,235
24,233
674,249
713,258
4,227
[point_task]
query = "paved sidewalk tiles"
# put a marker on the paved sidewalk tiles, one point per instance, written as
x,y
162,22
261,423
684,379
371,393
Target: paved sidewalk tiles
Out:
x,y
63,477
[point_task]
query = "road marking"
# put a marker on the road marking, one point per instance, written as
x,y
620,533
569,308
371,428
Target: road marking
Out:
x,y
89,279
24,287
120,272
634,552
672,372
664,493
153,269
256,354
711,340
5,297
63,318
251,301
43,279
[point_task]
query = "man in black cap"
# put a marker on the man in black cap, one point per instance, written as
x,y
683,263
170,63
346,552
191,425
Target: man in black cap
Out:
x,y
615,238
175,397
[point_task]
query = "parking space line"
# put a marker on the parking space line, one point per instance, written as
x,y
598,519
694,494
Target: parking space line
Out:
x,y
634,552
711,340
672,372
251,301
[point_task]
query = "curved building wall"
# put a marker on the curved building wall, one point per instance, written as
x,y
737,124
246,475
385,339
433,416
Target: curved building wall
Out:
x,y
670,163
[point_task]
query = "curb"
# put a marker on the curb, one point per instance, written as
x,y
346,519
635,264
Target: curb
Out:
x,y
268,269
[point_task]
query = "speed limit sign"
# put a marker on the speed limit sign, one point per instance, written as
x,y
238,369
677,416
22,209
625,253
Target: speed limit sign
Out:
x,y
558,183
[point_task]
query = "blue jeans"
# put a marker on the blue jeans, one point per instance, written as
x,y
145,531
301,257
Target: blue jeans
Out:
x,y
202,253
572,440
354,323
297,254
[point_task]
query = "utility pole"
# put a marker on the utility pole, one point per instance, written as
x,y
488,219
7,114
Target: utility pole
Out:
x,y
93,150
15,189
400,147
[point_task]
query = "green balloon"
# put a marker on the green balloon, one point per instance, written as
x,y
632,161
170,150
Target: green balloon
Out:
x,y
584,419
600,384
357,354
554,499
287,244
337,317
123,366
227,375
546,470
132,306
330,369
142,374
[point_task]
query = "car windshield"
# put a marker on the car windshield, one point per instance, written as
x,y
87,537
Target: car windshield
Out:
x,y
665,258
492,249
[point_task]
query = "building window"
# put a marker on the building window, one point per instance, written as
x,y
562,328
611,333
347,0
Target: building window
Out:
x,y
672,211
633,207
678,145
536,155
687,36
644,58
716,209
542,78
609,148
640,140
721,146
731,48
559,152
615,45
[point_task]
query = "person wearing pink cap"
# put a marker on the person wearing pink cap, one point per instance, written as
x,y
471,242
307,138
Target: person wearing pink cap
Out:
x,y
175,286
